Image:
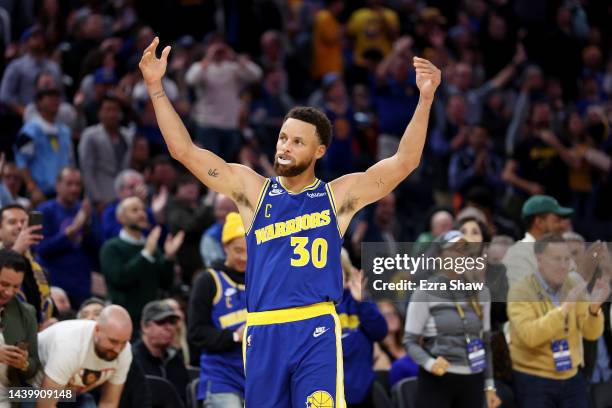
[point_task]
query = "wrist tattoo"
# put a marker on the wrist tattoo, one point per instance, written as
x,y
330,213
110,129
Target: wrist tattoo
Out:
x,y
158,94
213,173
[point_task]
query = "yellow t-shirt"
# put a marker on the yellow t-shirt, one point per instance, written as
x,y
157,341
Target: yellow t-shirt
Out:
x,y
327,44
372,30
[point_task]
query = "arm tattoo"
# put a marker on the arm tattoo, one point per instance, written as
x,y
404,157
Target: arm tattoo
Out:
x,y
380,183
213,173
158,94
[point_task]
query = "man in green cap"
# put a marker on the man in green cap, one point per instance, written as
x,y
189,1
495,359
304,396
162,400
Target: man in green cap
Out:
x,y
541,215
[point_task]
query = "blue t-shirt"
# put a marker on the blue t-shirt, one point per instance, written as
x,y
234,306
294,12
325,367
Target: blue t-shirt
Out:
x,y
44,150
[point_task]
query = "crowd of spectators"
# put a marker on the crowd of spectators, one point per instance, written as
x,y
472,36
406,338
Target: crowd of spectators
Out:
x,y
523,111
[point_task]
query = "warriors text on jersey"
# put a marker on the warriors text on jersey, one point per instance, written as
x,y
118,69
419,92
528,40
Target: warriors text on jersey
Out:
x,y
294,248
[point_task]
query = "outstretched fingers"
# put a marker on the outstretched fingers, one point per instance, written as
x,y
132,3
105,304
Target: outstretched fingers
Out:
x,y
165,52
152,47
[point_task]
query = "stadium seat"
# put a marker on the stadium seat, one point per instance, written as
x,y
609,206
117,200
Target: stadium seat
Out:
x,y
404,393
380,396
192,394
194,372
382,376
601,395
163,393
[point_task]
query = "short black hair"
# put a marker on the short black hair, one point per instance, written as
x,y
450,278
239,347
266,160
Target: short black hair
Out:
x,y
11,207
542,243
314,117
12,260
111,97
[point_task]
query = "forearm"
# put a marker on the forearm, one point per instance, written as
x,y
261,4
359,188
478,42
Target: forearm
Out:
x,y
412,143
173,130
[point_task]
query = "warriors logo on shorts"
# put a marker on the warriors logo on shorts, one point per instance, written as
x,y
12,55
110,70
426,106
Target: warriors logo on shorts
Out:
x,y
320,399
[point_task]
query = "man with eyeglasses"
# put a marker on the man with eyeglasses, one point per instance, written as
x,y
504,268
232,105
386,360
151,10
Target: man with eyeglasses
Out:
x,y
154,350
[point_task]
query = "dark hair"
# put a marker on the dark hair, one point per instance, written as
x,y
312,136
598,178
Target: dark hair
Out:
x,y
60,175
542,243
91,301
486,236
161,159
481,197
10,207
314,117
12,260
111,97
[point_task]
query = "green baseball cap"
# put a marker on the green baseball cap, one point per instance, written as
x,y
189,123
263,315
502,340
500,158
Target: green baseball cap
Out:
x,y
543,204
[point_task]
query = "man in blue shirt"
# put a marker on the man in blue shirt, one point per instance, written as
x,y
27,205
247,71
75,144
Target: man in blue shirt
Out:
x,y
43,147
69,238
362,326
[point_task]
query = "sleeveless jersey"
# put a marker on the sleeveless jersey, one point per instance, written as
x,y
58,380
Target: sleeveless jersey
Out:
x,y
225,370
293,248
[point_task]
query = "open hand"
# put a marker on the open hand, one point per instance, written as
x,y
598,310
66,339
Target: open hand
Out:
x,y
428,77
173,243
153,68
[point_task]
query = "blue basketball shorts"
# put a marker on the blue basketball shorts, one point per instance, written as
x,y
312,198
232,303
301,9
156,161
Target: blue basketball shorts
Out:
x,y
293,358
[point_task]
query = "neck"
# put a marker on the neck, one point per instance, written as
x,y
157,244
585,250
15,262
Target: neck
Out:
x,y
297,183
156,351
65,203
136,234
536,233
111,130
49,117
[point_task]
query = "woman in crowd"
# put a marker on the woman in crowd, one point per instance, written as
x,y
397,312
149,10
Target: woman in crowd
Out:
x,y
447,334
391,347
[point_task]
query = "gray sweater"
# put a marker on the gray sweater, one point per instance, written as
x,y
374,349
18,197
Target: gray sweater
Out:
x,y
437,321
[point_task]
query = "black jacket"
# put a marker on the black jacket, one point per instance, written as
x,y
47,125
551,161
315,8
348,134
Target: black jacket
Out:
x,y
172,368
201,333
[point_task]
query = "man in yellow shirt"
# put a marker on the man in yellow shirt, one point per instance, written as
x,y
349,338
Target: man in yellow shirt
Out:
x,y
549,316
327,36
372,28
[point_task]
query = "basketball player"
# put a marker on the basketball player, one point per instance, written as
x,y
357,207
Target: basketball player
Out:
x,y
294,228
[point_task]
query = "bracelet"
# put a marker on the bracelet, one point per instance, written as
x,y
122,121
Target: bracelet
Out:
x,y
490,388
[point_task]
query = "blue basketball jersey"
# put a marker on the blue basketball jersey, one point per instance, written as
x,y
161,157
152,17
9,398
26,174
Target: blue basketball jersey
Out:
x,y
293,248
224,370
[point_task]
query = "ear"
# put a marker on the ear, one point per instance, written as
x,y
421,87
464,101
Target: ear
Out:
x,y
320,152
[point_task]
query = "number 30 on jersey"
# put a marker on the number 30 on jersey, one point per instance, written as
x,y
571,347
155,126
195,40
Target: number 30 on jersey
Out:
x,y
317,252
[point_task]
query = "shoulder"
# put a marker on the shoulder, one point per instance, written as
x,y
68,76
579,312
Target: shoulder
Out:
x,y
91,133
522,289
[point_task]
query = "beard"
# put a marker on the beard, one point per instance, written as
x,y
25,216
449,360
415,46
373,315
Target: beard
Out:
x,y
286,170
106,355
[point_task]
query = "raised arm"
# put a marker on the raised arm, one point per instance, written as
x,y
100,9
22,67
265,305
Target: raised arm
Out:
x,y
356,190
237,181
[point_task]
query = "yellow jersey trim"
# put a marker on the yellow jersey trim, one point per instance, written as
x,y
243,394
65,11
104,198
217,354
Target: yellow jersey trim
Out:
x,y
259,201
233,318
231,282
292,314
219,293
332,201
340,401
311,186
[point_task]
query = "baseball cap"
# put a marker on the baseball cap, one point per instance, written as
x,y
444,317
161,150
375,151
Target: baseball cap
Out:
x,y
233,227
543,204
450,238
157,310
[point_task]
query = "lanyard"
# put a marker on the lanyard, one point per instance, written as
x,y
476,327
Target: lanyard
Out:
x,y
476,306
545,302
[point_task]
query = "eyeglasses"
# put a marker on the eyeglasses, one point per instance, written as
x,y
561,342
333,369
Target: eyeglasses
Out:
x,y
169,320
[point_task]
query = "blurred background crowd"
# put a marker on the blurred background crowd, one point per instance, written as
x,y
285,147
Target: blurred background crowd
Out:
x,y
523,109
